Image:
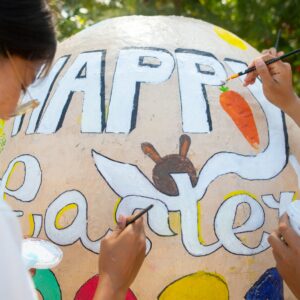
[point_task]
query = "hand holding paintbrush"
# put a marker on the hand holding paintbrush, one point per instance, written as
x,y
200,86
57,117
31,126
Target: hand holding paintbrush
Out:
x,y
133,218
277,83
271,60
121,256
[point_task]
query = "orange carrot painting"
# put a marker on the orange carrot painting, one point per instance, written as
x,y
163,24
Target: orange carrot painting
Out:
x,y
241,114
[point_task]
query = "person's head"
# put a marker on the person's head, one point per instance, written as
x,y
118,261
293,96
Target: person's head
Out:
x,y
27,41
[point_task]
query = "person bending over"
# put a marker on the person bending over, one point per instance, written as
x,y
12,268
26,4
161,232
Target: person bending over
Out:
x,y
28,42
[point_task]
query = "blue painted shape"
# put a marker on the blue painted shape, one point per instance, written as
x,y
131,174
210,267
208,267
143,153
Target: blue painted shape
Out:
x,y
268,287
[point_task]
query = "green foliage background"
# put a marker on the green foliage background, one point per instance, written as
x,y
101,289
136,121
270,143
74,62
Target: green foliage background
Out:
x,y
256,21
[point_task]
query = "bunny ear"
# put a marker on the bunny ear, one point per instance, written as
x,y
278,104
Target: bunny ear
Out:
x,y
149,150
185,142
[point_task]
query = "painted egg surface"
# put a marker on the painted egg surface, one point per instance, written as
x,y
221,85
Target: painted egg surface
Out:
x,y
134,112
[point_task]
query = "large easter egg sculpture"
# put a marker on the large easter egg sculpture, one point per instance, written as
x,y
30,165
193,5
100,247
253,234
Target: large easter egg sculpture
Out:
x,y
134,112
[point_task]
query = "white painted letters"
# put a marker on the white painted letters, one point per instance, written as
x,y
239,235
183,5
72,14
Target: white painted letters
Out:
x,y
84,75
192,80
132,69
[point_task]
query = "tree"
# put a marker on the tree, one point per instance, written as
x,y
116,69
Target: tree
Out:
x,y
256,21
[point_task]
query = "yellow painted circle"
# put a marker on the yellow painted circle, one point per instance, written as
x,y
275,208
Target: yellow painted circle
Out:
x,y
201,285
230,38
60,214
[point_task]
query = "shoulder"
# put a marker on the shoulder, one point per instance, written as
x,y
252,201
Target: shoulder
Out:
x,y
12,269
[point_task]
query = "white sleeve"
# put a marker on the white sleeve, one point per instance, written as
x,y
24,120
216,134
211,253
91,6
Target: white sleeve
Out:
x,y
15,281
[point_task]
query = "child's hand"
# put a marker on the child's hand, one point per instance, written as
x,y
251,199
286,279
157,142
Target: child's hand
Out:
x,y
277,84
121,256
285,244
251,77
272,51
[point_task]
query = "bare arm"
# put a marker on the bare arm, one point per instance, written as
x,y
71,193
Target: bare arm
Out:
x,y
105,291
121,257
294,110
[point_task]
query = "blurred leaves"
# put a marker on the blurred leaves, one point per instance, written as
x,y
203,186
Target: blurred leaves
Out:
x,y
256,21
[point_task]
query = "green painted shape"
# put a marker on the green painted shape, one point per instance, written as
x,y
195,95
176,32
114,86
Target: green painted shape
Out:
x,y
224,88
46,283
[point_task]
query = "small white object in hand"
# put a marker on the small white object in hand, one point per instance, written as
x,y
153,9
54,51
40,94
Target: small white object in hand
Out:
x,y
40,254
293,212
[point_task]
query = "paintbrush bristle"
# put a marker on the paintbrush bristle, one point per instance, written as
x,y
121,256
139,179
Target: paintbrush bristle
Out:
x,y
24,108
232,77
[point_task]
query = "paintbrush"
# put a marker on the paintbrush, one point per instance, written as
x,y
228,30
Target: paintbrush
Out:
x,y
268,62
139,215
24,108
277,39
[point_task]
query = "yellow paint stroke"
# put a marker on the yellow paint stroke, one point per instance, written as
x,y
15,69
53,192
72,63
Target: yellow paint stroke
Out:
x,y
174,221
230,38
200,285
62,212
200,236
239,192
106,111
251,260
295,197
2,135
13,169
31,225
243,239
115,209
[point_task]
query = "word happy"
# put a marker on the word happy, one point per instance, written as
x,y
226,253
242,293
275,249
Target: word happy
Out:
x,y
134,67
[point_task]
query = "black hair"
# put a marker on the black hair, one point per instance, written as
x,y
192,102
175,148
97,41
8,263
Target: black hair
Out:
x,y
27,30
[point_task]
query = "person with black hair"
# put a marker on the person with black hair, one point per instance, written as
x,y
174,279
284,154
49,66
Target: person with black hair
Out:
x,y
27,41
27,44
